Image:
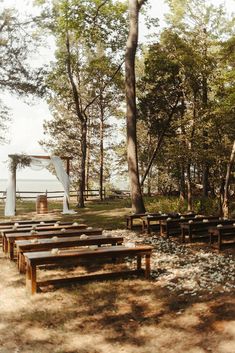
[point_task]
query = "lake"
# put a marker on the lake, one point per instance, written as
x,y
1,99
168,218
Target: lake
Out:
x,y
39,186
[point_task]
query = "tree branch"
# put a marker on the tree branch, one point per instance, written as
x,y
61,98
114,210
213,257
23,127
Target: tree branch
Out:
x,y
141,2
159,143
102,90
98,9
73,85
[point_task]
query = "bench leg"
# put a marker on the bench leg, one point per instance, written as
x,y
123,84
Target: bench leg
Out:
x,y
190,236
143,225
21,262
5,245
219,241
148,227
183,235
31,278
211,238
11,250
147,266
139,257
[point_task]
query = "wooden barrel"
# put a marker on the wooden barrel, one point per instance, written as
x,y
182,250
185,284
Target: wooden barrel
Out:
x,y
41,204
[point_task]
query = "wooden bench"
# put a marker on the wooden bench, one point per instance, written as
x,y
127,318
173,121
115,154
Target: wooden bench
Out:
x,y
130,220
34,259
9,239
153,221
198,230
27,221
144,218
43,228
172,227
34,224
68,242
221,237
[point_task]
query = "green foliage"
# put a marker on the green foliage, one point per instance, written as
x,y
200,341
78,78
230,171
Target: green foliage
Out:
x,y
194,56
19,161
85,82
16,44
4,120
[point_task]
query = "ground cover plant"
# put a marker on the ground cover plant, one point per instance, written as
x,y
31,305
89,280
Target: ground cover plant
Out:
x,y
186,306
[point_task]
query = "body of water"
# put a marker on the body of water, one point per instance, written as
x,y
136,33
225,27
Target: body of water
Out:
x,y
39,186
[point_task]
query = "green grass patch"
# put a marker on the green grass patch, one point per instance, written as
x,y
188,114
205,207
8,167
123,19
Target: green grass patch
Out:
x,y
110,214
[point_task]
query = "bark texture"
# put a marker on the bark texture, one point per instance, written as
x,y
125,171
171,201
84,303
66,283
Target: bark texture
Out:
x,y
131,112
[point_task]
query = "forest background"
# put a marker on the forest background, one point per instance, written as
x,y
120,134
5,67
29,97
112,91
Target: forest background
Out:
x,y
185,90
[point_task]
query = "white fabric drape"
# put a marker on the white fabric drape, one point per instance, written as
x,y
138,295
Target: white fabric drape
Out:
x,y
10,196
39,164
64,179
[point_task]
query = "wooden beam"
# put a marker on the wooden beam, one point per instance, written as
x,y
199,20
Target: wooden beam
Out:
x,y
41,157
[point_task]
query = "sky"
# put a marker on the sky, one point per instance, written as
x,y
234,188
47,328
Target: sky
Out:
x,y
26,127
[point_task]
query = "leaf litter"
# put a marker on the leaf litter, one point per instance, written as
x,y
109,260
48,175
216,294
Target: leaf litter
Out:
x,y
184,270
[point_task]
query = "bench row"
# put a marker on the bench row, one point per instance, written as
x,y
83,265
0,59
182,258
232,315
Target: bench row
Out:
x,y
54,245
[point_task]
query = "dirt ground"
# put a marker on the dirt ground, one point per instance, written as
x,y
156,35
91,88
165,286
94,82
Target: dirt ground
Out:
x,y
174,312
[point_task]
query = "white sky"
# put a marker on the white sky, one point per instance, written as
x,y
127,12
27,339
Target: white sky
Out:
x,y
26,127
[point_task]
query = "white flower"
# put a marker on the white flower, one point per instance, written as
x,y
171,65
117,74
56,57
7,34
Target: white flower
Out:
x,y
33,231
93,247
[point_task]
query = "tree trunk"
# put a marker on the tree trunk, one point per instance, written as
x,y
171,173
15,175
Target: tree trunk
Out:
x,y
88,157
205,176
189,189
101,148
205,170
83,120
149,156
182,183
225,205
83,165
131,113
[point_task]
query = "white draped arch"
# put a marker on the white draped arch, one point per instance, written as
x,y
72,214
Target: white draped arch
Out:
x,y
38,163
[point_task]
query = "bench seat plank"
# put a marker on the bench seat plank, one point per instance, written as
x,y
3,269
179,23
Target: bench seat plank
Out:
x,y
50,243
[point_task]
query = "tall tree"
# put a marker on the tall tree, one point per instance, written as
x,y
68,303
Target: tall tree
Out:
x,y
81,28
131,112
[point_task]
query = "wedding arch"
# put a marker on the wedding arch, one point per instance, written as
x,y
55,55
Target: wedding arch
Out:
x,y
36,163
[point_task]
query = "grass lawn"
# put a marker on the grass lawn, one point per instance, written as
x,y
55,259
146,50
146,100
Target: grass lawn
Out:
x,y
186,307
